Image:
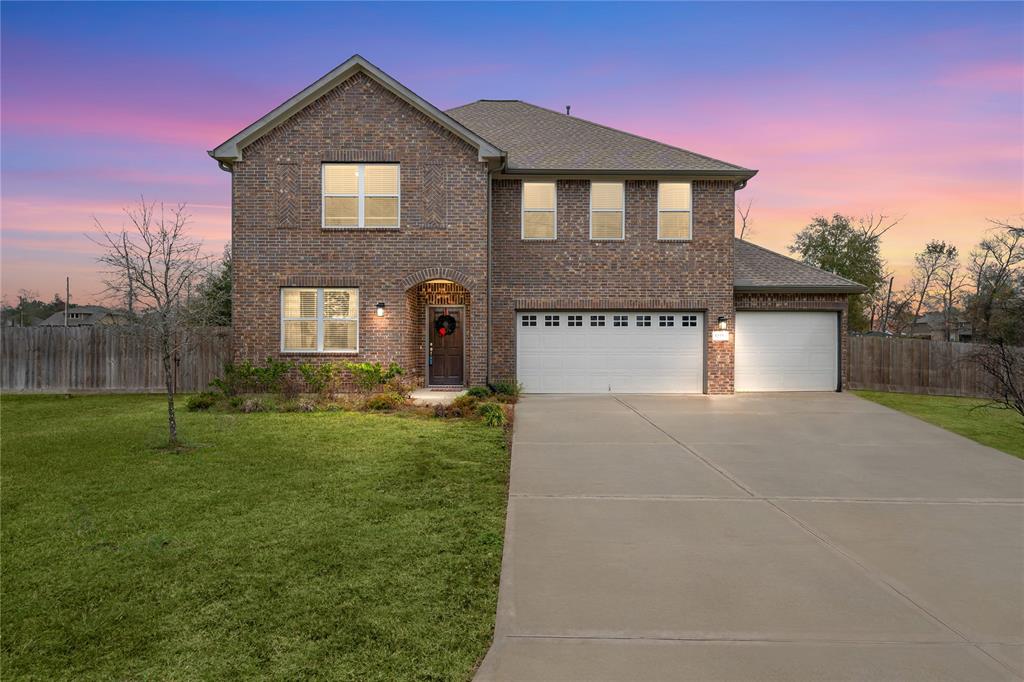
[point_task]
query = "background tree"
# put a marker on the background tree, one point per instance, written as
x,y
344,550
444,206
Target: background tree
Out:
x,y
29,308
850,248
158,266
951,290
215,293
928,267
746,225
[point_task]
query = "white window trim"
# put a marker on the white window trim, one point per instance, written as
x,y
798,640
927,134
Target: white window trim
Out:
x,y
319,319
361,197
523,211
622,211
689,237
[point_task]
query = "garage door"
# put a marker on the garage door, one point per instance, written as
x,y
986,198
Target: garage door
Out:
x,y
786,351
617,351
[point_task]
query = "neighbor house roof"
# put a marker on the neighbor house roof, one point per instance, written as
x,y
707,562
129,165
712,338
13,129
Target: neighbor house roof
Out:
x,y
84,316
231,150
539,140
755,268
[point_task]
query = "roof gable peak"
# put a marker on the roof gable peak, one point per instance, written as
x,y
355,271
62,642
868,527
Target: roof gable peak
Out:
x,y
231,149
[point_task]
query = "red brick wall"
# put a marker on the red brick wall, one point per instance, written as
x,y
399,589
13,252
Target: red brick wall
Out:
x,y
574,272
797,302
278,240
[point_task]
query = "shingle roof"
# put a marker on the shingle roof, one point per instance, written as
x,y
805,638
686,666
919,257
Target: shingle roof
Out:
x,y
538,139
755,268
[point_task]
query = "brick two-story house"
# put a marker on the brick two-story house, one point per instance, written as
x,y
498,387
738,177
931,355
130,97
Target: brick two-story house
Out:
x,y
501,240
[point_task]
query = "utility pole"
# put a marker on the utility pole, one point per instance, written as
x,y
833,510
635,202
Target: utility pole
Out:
x,y
885,315
67,299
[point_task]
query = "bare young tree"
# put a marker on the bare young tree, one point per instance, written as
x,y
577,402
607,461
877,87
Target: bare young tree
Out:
x,y
997,270
155,266
928,266
746,225
952,287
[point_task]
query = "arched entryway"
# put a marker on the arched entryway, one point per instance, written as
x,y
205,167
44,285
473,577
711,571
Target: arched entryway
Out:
x,y
439,319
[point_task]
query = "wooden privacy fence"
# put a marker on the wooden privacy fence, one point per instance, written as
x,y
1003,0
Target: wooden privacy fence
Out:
x,y
879,363
105,359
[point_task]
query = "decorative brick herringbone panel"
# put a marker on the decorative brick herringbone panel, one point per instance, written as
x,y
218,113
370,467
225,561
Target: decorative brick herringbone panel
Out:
x,y
434,194
287,205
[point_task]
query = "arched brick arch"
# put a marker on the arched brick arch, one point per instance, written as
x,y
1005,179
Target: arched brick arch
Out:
x,y
437,273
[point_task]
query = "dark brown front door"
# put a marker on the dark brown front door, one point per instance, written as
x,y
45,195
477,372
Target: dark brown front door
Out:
x,y
445,365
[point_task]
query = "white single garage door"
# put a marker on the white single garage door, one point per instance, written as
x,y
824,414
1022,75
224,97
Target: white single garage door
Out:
x,y
617,351
783,351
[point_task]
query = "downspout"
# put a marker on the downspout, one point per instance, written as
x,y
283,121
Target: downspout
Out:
x,y
490,262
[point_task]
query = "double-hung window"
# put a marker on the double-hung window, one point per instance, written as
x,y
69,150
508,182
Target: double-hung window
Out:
x,y
360,195
607,214
319,320
539,210
674,210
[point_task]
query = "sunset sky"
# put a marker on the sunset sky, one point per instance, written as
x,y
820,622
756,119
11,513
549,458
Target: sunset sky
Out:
x,y
911,109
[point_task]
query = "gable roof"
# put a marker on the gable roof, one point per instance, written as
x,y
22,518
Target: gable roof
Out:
x,y
540,140
231,150
755,268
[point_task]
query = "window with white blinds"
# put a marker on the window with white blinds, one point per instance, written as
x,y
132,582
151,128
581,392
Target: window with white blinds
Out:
x,y
607,214
361,195
539,210
319,320
674,210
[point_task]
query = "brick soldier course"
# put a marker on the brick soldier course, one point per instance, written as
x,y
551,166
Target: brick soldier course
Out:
x,y
459,240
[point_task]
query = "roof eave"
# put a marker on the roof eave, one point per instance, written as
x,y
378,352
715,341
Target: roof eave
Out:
x,y
230,150
739,173
800,289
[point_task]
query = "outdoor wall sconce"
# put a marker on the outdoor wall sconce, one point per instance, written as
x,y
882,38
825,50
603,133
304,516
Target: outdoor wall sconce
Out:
x,y
380,310
722,320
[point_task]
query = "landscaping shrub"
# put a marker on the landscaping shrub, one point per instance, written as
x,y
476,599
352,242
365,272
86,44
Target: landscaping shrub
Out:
x,y
299,405
479,392
397,384
291,387
384,401
247,377
465,405
368,376
509,387
250,405
493,414
201,401
318,377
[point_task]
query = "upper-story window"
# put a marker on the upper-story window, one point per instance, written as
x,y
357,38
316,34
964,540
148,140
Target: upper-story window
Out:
x,y
539,210
360,195
674,210
607,214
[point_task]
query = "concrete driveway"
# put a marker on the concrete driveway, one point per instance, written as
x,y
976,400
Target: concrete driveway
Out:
x,y
768,537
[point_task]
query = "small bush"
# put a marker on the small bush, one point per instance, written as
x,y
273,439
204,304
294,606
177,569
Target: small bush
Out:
x,y
384,401
508,388
201,401
300,405
291,387
236,402
368,376
441,411
397,384
247,377
250,405
464,406
493,414
318,377
479,392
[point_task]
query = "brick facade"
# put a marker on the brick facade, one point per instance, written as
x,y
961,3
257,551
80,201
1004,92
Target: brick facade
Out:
x,y
574,272
278,239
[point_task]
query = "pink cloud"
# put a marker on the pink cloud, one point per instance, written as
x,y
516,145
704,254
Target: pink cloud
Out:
x,y
1000,76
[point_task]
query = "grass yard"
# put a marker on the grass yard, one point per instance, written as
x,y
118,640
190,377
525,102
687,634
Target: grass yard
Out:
x,y
336,545
1000,429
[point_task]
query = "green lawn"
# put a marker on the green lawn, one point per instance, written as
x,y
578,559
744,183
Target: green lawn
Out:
x,y
339,545
1000,429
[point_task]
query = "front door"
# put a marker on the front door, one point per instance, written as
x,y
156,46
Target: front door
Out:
x,y
445,346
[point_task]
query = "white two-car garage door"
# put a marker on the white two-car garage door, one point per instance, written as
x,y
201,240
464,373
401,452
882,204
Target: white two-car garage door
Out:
x,y
787,351
617,351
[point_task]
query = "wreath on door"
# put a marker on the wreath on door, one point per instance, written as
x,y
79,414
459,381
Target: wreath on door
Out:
x,y
445,325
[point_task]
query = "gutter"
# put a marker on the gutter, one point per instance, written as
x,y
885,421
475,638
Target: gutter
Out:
x,y
490,262
798,289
